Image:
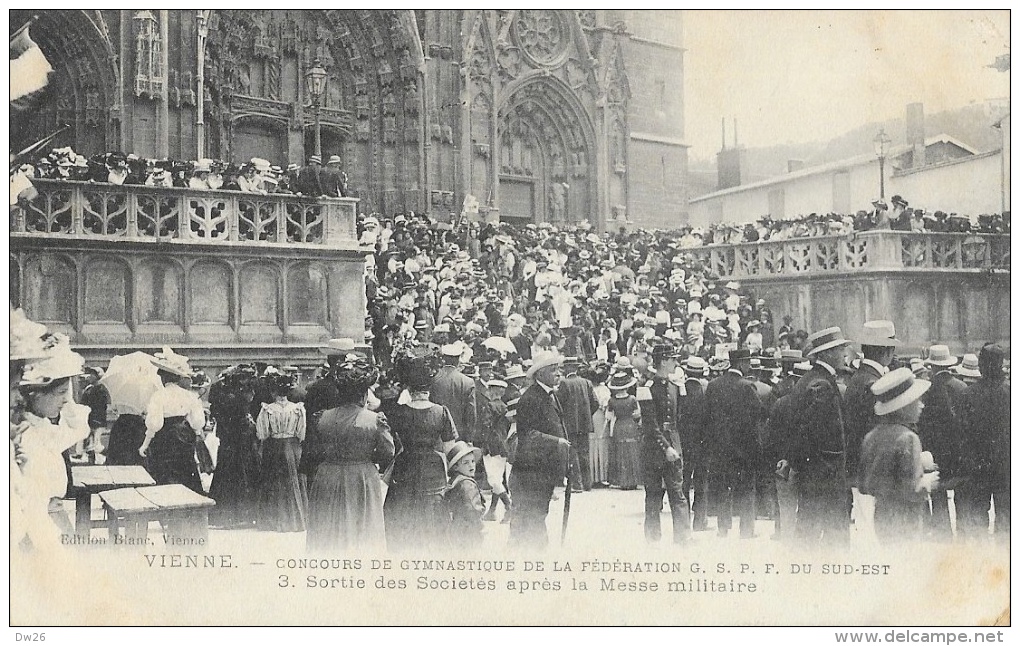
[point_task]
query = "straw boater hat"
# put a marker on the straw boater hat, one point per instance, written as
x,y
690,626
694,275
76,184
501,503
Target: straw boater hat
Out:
x,y
791,356
879,333
621,381
830,337
459,451
337,346
515,371
544,360
939,355
896,389
60,362
696,366
170,361
452,350
802,368
968,367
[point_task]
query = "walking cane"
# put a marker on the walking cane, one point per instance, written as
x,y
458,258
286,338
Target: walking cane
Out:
x,y
566,500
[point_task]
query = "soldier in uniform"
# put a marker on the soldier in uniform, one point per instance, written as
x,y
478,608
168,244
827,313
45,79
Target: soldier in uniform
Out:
x,y
734,412
692,426
540,460
817,447
662,463
878,343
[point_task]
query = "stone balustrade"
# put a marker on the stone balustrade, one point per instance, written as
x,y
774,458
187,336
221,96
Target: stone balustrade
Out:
x,y
867,251
178,215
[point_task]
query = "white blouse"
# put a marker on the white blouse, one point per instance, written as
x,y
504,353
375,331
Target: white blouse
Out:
x,y
173,401
281,420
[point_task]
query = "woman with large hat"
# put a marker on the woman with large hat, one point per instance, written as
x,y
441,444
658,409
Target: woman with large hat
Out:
x,y
414,502
891,466
47,392
625,416
174,418
281,430
234,483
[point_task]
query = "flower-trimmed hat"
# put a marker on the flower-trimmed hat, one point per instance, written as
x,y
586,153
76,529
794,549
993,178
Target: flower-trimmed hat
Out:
x,y
60,362
27,337
896,389
170,361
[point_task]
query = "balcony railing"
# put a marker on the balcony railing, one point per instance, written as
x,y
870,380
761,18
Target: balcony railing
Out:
x,y
149,214
867,251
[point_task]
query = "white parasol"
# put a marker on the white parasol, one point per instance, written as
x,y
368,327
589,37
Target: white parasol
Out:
x,y
500,344
131,379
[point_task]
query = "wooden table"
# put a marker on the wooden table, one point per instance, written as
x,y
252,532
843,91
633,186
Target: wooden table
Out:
x,y
93,479
183,513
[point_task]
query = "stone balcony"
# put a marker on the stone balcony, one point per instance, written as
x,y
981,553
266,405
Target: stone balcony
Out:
x,y
144,214
861,252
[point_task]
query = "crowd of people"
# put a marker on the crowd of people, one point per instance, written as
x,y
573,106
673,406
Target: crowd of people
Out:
x,y
258,175
504,362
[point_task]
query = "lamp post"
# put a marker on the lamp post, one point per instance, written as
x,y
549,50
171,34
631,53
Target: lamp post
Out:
x,y
315,78
881,142
202,25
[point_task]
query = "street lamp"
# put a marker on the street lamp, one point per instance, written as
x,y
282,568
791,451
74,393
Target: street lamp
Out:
x,y
315,79
881,142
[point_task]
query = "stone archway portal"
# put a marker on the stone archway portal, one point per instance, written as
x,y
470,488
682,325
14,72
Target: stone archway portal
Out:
x,y
545,156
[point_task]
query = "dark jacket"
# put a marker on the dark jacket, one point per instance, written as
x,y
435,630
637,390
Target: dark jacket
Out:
x,y
577,400
539,429
661,428
456,391
311,181
734,412
693,419
984,455
817,445
939,426
859,404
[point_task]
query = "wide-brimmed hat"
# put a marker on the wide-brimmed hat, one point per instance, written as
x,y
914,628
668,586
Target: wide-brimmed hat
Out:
x,y
334,159
27,340
696,365
459,451
170,361
514,371
896,389
60,362
830,337
622,381
337,346
939,355
791,356
879,333
968,366
544,360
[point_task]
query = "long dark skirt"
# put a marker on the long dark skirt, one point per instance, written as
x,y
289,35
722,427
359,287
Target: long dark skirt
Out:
x,y
126,436
171,458
282,500
414,511
235,486
345,508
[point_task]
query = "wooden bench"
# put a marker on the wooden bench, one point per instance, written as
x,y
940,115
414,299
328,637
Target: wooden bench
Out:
x,y
89,480
183,513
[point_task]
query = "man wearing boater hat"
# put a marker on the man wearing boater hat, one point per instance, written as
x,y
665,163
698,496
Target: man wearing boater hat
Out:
x,y
940,431
817,447
692,424
540,460
577,399
662,462
878,343
456,391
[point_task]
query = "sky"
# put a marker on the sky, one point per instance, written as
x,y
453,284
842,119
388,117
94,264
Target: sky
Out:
x,y
798,76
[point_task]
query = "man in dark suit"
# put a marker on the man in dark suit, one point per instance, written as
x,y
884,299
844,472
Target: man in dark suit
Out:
x,y
940,433
984,451
734,412
577,399
541,456
334,181
310,179
878,343
662,461
693,422
456,391
817,446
